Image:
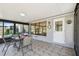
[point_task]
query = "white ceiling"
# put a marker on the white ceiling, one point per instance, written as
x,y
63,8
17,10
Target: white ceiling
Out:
x,y
33,11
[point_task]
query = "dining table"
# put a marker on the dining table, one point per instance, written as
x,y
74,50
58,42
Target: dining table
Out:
x,y
19,40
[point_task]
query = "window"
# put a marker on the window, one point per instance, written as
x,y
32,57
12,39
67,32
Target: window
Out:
x,y
39,28
25,29
8,29
33,28
43,27
19,28
58,25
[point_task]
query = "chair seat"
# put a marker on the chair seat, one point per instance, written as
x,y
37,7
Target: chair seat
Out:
x,y
27,40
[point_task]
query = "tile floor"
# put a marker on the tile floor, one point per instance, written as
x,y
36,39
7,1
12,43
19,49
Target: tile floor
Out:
x,y
40,49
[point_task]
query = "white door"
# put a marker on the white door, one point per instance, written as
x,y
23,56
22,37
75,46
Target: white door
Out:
x,y
58,30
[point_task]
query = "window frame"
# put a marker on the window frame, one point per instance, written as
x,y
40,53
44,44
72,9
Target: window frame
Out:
x,y
14,25
37,31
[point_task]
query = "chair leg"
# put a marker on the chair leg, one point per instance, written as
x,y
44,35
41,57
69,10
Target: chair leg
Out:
x,y
3,47
18,48
22,51
6,50
21,47
31,47
14,45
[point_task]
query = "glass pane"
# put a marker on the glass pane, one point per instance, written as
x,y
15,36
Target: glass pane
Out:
x,y
43,25
40,30
58,25
37,29
19,28
33,29
1,29
44,30
8,29
25,29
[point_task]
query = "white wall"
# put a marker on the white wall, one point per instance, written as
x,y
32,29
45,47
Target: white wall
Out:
x,y
69,31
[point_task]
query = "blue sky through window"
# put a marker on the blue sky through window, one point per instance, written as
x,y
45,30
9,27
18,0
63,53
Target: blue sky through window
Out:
x,y
8,24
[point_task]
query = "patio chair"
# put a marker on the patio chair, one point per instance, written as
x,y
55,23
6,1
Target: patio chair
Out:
x,y
12,41
6,45
27,42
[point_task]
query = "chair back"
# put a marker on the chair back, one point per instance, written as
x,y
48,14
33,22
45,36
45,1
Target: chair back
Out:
x,y
27,40
6,39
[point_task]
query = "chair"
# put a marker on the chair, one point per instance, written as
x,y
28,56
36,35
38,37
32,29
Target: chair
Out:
x,y
27,41
7,44
23,42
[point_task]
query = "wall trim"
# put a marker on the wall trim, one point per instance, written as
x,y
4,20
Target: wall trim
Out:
x,y
55,16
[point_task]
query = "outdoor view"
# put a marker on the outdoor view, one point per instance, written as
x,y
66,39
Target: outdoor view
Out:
x,y
20,28
25,29
8,29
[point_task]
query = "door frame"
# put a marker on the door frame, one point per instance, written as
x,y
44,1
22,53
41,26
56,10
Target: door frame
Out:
x,y
62,34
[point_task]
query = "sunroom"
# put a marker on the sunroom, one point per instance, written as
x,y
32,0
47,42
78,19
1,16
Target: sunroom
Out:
x,y
37,29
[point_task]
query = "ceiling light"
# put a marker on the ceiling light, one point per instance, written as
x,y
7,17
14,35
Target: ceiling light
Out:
x,y
22,14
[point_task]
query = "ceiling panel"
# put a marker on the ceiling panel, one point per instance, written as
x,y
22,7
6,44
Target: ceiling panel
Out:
x,y
33,11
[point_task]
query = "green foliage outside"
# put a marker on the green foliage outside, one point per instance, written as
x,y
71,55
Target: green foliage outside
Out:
x,y
7,32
